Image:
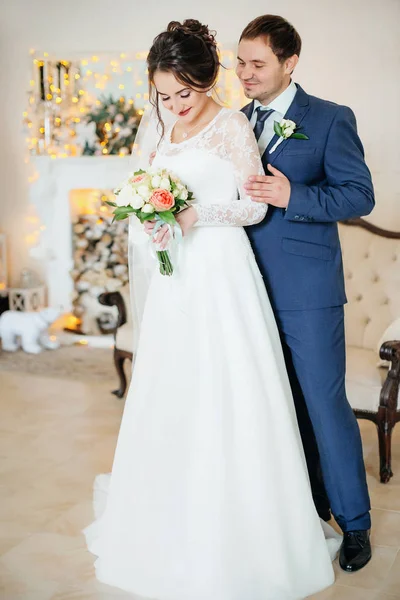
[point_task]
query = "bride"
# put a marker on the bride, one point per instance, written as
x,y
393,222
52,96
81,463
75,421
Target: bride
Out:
x,y
209,497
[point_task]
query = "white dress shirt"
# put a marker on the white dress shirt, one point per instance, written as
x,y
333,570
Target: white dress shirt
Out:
x,y
281,106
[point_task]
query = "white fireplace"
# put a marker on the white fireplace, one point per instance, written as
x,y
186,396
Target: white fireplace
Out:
x,y
50,194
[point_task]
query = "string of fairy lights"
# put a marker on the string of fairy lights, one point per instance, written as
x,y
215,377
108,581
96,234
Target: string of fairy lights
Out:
x,y
64,93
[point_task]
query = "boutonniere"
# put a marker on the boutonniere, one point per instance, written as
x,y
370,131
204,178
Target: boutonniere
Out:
x,y
286,129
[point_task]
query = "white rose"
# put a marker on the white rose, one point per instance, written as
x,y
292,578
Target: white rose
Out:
x,y
156,180
137,201
287,123
148,209
125,196
288,131
144,192
165,184
119,118
183,194
176,193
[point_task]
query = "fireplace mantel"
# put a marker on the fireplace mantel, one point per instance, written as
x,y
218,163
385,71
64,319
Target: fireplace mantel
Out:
x,y
50,195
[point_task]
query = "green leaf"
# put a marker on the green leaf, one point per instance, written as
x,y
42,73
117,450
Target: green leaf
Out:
x,y
110,203
299,136
121,209
167,217
147,217
278,129
140,172
120,216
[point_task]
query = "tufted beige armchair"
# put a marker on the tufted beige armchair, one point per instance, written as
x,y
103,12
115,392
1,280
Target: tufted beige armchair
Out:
x,y
371,259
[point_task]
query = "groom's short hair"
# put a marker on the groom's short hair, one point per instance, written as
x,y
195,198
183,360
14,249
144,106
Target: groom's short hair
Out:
x,y
278,33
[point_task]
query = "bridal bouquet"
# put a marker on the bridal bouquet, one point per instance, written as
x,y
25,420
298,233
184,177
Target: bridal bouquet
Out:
x,y
153,195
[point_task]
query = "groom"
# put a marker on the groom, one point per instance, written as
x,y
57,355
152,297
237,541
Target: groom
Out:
x,y
310,185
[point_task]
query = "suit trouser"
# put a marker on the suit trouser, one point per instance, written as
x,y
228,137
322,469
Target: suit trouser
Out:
x,y
314,347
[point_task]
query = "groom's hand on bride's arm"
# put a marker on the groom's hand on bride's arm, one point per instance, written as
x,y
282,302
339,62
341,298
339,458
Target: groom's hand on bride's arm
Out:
x,y
269,189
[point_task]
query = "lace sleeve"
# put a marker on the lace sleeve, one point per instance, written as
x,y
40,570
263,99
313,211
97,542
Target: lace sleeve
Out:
x,y
242,150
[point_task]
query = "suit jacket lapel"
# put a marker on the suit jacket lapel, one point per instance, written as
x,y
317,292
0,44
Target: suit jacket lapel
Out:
x,y
296,112
248,110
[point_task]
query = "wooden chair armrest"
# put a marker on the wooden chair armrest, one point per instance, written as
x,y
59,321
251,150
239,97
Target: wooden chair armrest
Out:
x,y
390,351
115,299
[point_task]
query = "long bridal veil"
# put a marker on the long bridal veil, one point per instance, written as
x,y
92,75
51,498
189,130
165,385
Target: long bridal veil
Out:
x,y
141,260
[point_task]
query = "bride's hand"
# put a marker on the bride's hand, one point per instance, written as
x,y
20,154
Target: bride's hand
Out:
x,y
162,236
186,219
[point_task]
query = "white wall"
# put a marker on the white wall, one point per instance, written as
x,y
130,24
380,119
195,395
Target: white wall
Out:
x,y
350,55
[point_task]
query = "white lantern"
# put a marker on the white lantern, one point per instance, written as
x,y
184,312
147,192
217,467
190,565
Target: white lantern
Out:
x,y
30,299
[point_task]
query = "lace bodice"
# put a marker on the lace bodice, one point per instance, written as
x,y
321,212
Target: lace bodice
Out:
x,y
215,164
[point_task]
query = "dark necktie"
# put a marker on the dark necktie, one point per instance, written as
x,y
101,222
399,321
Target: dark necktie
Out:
x,y
262,116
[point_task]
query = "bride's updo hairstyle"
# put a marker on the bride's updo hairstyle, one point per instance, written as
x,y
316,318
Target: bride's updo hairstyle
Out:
x,y
189,51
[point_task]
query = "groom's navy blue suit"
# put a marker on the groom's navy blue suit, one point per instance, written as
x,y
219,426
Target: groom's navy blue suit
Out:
x,y
299,255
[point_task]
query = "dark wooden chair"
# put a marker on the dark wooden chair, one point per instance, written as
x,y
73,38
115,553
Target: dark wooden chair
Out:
x,y
123,334
371,257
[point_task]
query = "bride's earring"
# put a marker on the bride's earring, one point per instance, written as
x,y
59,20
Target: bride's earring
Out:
x,y
209,93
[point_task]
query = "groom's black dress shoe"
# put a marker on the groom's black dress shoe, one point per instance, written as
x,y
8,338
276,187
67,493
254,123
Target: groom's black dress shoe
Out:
x,y
355,551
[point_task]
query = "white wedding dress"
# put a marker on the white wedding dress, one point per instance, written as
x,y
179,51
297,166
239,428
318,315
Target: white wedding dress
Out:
x,y
209,497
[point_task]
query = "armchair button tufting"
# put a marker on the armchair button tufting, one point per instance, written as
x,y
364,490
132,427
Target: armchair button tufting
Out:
x,y
394,257
367,320
386,301
366,255
375,279
358,297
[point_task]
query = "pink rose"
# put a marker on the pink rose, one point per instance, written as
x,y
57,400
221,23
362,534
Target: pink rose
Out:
x,y
162,200
138,178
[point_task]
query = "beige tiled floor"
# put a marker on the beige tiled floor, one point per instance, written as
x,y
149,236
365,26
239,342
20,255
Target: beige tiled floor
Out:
x,y
55,436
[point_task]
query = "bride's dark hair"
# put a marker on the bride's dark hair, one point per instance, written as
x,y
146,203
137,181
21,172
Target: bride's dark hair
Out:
x,y
189,51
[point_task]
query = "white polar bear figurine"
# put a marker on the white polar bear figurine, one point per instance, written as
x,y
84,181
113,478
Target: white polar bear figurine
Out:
x,y
29,327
